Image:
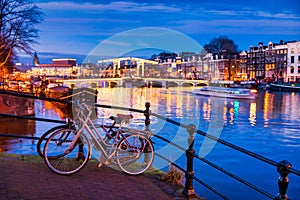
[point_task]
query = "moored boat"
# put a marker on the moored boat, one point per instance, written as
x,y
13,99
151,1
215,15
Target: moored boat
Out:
x,y
235,93
285,87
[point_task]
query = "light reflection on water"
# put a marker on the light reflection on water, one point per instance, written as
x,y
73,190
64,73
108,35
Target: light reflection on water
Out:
x,y
268,125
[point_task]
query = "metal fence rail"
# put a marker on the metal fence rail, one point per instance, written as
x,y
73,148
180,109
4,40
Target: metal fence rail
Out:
x,y
283,167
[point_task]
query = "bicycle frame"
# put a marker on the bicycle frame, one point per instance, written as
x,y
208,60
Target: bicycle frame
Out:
x,y
96,138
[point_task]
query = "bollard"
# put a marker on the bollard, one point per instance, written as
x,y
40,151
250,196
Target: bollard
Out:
x,y
283,181
147,115
189,188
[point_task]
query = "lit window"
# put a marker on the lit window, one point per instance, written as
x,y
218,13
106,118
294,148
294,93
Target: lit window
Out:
x,y
267,67
298,50
292,50
292,69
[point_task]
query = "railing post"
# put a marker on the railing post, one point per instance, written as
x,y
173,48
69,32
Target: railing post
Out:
x,y
283,181
147,123
189,188
147,115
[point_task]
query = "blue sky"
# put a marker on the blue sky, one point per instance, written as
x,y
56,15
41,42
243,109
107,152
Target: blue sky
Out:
x,y
77,27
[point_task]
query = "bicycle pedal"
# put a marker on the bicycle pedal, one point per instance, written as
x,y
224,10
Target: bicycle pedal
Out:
x,y
99,165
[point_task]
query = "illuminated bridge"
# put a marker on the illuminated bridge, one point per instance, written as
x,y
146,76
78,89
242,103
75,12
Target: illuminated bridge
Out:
x,y
133,82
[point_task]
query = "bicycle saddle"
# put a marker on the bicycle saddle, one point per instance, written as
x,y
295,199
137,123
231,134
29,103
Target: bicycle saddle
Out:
x,y
123,117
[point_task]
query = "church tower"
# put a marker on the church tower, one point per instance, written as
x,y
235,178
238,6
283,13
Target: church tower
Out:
x,y
36,61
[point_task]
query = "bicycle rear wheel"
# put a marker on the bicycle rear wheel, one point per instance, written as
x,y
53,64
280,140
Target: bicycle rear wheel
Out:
x,y
41,143
135,154
61,157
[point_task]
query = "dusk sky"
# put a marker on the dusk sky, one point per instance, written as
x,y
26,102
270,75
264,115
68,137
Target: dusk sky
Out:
x,y
77,27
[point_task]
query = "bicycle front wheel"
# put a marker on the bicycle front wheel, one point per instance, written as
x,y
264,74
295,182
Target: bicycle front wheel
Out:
x,y
135,154
62,155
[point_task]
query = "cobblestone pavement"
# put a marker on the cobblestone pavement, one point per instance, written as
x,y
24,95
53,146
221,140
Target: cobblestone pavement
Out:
x,y
27,178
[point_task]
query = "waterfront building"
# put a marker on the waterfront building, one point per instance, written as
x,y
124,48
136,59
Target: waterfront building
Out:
x,y
293,62
267,62
218,66
65,67
205,66
281,55
256,62
242,73
189,66
270,55
171,62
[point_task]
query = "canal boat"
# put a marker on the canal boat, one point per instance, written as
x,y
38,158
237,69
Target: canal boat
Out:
x,y
250,84
285,87
234,93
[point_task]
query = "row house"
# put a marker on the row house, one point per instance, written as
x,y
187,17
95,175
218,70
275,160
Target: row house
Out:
x,y
197,66
293,62
256,62
275,62
242,73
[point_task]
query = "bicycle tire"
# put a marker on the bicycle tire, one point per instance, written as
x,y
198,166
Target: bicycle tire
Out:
x,y
40,144
135,154
63,159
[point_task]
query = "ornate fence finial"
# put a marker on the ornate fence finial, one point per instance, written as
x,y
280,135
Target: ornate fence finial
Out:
x,y
283,181
147,115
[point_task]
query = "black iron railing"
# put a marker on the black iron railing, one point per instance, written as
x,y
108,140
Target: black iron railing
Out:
x,y
283,167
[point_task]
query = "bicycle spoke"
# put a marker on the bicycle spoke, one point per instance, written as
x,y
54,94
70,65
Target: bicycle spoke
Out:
x,y
131,157
61,157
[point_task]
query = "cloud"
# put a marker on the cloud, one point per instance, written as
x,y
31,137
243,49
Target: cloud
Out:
x,y
115,6
247,13
80,20
283,15
237,26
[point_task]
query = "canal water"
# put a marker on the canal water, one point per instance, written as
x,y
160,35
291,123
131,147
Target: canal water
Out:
x,y
268,126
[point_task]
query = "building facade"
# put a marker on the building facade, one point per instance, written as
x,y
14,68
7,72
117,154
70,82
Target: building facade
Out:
x,y
256,62
293,62
59,68
268,63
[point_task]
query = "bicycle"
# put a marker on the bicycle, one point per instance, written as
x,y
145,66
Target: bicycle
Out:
x,y
111,133
67,151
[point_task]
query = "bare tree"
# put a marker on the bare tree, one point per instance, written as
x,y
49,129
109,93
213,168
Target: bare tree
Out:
x,y
223,46
18,19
